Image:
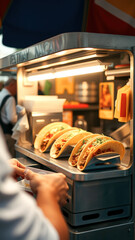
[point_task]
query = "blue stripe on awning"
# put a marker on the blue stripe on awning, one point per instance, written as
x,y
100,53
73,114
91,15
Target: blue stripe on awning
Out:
x,y
30,21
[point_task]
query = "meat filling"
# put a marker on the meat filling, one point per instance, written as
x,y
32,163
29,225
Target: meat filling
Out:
x,y
99,151
58,146
62,142
77,154
91,147
44,144
45,141
48,136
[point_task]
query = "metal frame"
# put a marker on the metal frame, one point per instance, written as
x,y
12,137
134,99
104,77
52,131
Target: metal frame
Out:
x,y
75,44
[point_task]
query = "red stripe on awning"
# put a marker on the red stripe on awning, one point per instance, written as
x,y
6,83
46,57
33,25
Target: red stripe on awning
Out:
x,y
101,21
4,6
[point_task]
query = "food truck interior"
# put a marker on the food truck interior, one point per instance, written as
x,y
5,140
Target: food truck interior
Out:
x,y
77,67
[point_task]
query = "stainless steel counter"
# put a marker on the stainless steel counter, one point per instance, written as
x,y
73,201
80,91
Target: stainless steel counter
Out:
x,y
61,165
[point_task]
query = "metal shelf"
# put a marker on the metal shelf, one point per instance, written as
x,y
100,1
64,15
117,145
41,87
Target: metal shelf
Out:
x,y
123,72
61,165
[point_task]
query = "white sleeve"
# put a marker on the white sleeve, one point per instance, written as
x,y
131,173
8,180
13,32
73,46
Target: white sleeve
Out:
x,y
20,217
10,107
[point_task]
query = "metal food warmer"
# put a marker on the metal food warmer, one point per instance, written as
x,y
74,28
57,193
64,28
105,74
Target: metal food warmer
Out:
x,y
101,200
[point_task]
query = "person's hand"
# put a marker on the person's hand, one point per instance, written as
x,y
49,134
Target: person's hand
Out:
x,y
51,193
18,168
50,184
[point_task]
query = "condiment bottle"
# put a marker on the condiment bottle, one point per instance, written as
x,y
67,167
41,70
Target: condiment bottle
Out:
x,y
81,122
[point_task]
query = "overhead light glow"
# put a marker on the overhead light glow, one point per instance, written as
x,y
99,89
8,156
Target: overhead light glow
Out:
x,y
66,71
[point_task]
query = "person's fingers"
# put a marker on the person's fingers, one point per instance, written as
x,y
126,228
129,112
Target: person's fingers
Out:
x,y
62,175
21,165
19,171
28,174
14,162
67,186
55,183
63,199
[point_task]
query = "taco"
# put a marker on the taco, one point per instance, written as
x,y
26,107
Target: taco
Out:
x,y
99,145
46,135
78,149
66,142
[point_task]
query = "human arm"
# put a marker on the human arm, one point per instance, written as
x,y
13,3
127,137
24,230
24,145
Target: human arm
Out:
x,y
11,110
20,217
51,191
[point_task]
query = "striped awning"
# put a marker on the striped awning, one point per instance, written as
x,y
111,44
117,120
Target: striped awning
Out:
x,y
4,6
30,21
26,22
111,16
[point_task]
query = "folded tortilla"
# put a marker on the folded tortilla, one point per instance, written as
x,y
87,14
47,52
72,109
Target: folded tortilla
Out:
x,y
46,135
99,145
67,140
74,156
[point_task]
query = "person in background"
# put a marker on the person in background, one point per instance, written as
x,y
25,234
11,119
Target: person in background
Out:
x,y
23,217
8,114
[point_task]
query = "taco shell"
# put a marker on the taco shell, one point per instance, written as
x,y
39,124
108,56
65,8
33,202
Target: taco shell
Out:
x,y
108,146
65,143
78,149
46,143
49,131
